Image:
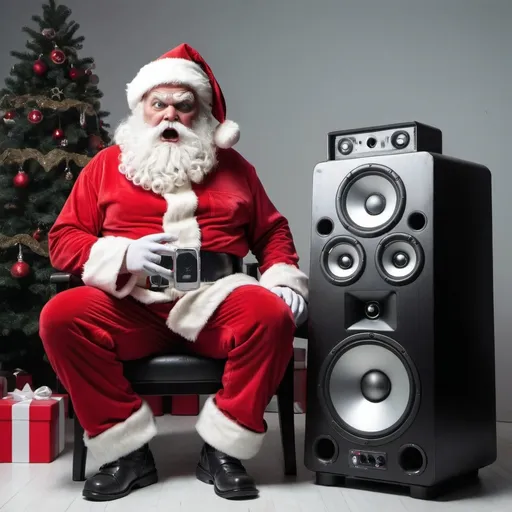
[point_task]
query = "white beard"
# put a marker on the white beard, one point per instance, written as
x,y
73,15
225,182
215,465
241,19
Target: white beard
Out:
x,y
161,166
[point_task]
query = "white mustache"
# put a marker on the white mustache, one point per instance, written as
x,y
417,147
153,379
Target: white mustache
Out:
x,y
184,132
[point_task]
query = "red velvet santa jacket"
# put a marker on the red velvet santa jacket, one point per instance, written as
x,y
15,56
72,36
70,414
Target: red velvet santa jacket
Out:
x,y
228,212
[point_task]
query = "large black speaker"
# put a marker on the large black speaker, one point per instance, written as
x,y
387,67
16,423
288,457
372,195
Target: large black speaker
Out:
x,y
401,370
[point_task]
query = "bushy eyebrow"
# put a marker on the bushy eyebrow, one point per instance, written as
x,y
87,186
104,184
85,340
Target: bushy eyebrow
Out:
x,y
174,97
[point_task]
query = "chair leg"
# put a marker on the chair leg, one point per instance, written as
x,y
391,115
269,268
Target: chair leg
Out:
x,y
79,453
285,400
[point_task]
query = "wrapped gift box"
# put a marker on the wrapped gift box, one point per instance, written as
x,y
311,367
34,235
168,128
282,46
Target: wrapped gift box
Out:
x,y
32,426
65,398
185,405
156,403
22,378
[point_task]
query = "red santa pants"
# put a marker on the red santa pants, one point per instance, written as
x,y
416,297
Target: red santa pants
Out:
x,y
88,333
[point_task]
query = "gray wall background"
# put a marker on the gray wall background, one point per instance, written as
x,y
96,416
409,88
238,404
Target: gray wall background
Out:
x,y
292,70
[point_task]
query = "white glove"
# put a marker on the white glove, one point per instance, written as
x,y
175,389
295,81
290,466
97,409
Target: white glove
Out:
x,y
296,303
144,254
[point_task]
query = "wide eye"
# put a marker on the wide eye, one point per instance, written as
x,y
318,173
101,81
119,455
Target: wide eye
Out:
x,y
159,105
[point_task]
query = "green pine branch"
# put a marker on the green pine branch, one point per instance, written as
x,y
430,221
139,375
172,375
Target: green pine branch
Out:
x,y
23,211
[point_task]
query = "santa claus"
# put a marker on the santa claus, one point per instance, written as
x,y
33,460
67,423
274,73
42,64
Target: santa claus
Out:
x,y
172,181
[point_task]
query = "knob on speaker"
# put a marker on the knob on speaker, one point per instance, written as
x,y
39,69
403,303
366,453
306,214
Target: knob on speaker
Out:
x,y
370,200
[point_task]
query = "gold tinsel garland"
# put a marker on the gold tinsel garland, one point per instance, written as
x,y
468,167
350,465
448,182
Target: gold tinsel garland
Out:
x,y
48,161
40,248
45,102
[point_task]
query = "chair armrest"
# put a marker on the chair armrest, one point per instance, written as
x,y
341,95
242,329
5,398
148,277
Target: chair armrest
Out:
x,y
251,269
64,281
302,331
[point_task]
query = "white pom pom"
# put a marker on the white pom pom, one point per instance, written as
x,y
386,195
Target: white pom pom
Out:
x,y
227,134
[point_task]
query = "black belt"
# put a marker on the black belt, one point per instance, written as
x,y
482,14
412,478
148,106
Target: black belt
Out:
x,y
214,266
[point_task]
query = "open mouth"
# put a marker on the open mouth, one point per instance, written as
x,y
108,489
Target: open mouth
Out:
x,y
170,135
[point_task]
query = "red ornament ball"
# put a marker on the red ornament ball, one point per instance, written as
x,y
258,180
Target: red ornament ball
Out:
x,y
58,134
39,67
9,117
20,269
21,180
74,73
58,56
35,116
37,235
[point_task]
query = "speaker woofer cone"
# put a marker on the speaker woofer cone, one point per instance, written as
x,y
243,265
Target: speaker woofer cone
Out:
x,y
370,200
342,260
399,258
374,365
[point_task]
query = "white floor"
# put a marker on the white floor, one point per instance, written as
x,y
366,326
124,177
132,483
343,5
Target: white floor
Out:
x,y
48,487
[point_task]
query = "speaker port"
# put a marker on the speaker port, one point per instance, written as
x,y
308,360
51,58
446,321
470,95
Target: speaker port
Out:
x,y
324,227
371,142
325,449
411,459
417,221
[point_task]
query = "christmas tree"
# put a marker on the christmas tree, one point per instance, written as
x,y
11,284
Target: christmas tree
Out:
x,y
51,125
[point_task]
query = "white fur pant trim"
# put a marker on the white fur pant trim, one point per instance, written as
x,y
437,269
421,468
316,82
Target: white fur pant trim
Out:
x,y
123,438
225,435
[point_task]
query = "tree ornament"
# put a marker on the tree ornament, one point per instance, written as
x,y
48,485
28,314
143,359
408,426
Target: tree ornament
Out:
x,y
35,116
21,180
37,234
49,33
57,56
9,117
20,269
64,143
94,79
58,134
39,67
56,93
69,175
75,73
94,141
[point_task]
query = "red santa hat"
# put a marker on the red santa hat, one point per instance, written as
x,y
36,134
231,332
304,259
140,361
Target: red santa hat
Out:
x,y
184,65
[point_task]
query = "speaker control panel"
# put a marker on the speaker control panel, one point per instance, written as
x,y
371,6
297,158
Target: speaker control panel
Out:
x,y
363,459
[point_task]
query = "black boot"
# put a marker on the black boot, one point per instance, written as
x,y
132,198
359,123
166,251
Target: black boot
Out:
x,y
117,479
227,474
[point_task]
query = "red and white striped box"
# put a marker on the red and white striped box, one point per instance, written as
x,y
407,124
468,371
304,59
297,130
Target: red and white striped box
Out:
x,y
32,429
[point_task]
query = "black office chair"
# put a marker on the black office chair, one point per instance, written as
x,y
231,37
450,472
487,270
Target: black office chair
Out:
x,y
187,374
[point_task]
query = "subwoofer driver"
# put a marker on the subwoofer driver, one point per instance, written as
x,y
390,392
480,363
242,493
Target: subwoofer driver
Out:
x,y
370,388
342,260
370,200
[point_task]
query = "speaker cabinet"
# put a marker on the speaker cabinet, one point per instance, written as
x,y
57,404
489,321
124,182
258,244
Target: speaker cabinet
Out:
x,y
401,371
